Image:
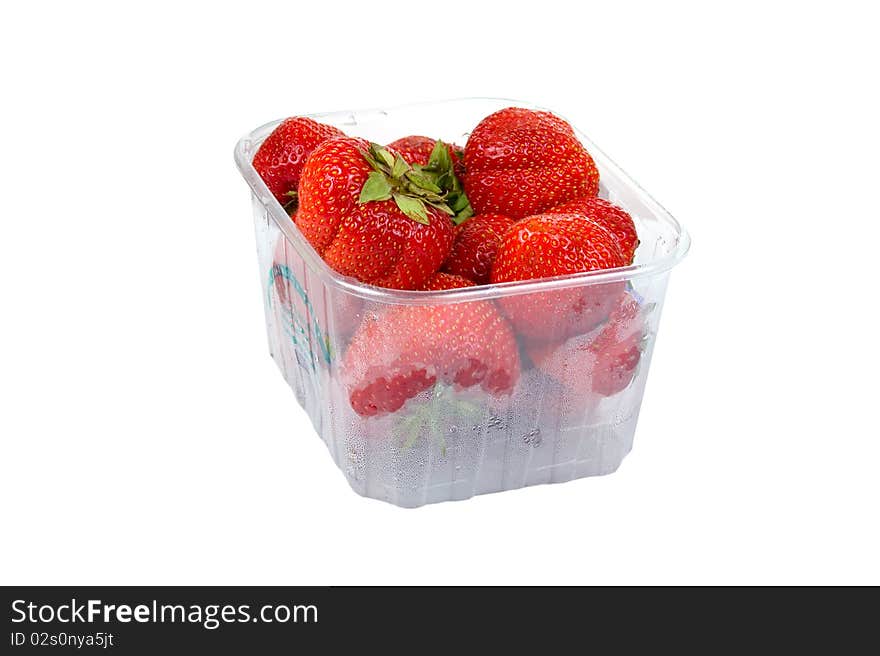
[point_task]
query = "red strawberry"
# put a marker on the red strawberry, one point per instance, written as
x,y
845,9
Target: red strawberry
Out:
x,y
521,162
362,212
549,245
608,215
281,157
440,281
601,362
417,150
476,242
408,348
571,364
618,348
440,163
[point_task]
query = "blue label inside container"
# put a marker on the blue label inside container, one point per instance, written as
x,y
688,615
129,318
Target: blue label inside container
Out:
x,y
297,325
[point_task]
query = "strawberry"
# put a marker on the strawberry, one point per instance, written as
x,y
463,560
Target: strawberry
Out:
x,y
417,150
541,407
602,362
618,348
570,363
476,242
548,245
440,281
371,216
281,157
407,349
608,215
521,162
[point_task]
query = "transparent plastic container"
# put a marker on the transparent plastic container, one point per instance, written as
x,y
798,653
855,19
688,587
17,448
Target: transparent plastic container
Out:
x,y
450,443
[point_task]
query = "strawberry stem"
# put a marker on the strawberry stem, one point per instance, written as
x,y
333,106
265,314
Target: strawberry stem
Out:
x,y
430,418
414,188
291,204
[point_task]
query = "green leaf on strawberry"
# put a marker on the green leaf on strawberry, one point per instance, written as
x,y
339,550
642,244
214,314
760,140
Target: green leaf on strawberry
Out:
x,y
440,159
463,210
411,189
443,207
382,155
400,167
441,170
424,182
412,207
375,188
431,418
292,200
414,186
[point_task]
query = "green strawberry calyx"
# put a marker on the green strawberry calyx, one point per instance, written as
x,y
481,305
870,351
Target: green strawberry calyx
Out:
x,y
441,170
414,187
293,201
431,418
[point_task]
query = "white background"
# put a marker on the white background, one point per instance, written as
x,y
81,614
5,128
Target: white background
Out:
x,y
147,437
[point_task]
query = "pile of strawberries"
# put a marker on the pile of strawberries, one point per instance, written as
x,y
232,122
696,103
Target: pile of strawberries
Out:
x,y
518,202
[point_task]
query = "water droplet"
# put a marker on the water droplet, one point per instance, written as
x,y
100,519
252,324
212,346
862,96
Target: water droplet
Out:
x,y
533,438
495,422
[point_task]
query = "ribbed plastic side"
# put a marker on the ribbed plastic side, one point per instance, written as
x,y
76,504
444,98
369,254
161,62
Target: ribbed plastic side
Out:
x,y
446,444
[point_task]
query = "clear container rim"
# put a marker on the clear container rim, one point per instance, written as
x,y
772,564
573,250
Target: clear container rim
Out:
x,y
483,292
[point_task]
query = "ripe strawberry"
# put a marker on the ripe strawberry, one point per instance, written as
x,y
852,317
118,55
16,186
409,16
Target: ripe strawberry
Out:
x,y
521,162
566,376
608,215
570,363
618,348
281,157
602,362
440,281
407,349
370,216
476,243
548,245
417,150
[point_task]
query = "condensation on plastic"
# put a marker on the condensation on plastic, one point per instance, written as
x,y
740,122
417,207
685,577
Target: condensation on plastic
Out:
x,y
449,444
